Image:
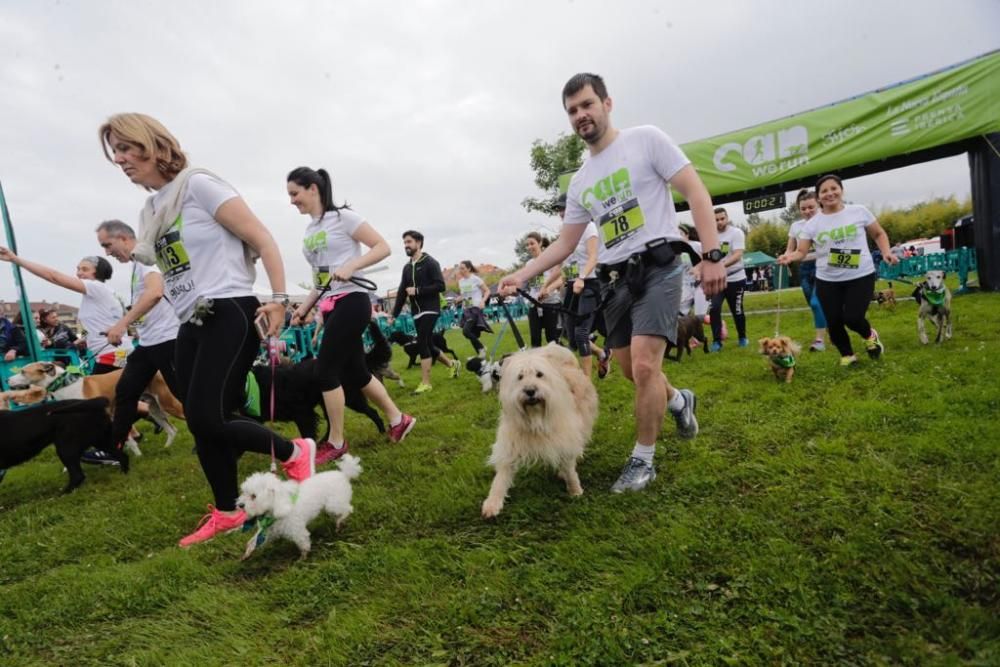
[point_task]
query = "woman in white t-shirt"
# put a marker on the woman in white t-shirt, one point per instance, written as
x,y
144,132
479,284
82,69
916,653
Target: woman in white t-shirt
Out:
x,y
845,273
545,289
100,307
333,247
808,206
206,240
474,295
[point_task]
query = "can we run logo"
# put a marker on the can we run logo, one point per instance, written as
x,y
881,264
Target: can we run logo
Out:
x,y
766,154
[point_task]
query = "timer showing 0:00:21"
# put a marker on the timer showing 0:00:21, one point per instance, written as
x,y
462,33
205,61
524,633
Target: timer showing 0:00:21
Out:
x,y
764,203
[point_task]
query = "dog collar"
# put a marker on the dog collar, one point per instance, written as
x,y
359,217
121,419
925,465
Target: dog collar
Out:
x,y
71,375
786,361
935,298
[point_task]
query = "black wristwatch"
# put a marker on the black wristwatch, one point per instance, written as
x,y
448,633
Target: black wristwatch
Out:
x,y
714,256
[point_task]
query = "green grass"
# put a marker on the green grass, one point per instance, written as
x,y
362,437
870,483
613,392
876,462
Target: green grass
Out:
x,y
848,518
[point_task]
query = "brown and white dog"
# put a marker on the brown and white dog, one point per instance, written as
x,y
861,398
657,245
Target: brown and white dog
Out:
x,y
55,381
781,352
934,303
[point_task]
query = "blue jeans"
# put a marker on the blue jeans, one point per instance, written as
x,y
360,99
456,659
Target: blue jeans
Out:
x,y
807,278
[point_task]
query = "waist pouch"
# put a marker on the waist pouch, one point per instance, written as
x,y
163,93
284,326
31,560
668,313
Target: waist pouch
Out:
x,y
633,270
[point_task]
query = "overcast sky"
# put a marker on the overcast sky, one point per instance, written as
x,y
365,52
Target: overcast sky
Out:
x,y
423,111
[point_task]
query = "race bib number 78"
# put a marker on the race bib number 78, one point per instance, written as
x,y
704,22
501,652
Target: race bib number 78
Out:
x,y
621,222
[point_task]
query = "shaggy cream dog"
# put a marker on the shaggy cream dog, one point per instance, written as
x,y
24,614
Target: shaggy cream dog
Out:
x,y
293,505
548,407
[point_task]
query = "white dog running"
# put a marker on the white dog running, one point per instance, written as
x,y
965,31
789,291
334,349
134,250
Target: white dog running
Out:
x,y
294,504
548,407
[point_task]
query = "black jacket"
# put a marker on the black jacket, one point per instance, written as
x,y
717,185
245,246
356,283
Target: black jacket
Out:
x,y
12,338
426,276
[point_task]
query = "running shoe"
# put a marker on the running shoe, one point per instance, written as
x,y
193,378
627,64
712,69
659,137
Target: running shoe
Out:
x,y
304,466
98,457
848,360
422,388
398,432
453,370
743,342
636,475
326,452
687,423
874,345
212,524
604,365
715,347
817,345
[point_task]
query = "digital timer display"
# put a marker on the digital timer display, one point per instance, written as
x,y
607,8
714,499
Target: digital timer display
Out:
x,y
764,203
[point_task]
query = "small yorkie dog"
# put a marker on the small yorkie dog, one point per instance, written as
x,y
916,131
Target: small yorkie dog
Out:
x,y
781,352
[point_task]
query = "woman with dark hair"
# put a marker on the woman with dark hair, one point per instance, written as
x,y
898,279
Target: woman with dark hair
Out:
x,y
808,205
58,336
544,288
205,240
332,246
100,307
845,272
474,295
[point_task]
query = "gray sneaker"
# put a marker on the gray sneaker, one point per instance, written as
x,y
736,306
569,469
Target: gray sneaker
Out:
x,y
635,476
687,423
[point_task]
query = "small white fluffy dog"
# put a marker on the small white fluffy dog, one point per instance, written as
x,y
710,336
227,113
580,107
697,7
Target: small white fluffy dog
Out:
x,y
294,504
548,407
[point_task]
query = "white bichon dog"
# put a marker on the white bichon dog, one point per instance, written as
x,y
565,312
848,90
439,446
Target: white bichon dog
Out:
x,y
293,505
548,406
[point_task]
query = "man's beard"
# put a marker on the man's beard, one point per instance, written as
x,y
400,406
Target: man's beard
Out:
x,y
409,251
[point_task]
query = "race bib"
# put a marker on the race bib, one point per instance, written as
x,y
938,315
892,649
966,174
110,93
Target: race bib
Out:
x,y
321,276
571,272
844,259
621,222
171,255
725,248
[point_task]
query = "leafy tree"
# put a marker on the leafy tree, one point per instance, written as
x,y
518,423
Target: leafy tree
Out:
x,y
924,220
549,161
753,220
790,213
769,236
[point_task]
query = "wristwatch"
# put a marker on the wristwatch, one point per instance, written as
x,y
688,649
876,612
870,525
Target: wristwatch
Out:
x,y
714,256
280,298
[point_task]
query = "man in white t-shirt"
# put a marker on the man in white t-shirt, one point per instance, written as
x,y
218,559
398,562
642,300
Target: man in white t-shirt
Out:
x,y
733,241
623,189
154,321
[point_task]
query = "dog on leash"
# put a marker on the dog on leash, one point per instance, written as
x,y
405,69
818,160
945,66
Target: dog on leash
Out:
x,y
72,426
487,372
379,358
547,412
297,395
293,505
55,380
409,345
934,304
781,352
688,327
886,298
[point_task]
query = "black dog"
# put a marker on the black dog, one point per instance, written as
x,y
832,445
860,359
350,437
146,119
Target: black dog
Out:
x,y
73,426
409,344
297,395
380,356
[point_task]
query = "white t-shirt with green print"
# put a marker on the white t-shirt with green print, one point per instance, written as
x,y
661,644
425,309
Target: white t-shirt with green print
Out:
x,y
328,244
624,191
841,243
160,324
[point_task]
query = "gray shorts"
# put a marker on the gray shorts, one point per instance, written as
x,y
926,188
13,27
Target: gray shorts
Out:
x,y
653,314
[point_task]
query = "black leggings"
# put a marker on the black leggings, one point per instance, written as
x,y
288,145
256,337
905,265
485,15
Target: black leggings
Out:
x,y
212,362
139,371
548,320
425,332
342,352
845,305
734,297
470,327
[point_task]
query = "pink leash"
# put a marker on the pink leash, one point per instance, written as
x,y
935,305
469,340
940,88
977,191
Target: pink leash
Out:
x,y
272,353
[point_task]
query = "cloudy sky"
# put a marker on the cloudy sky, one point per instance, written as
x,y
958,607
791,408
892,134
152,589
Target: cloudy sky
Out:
x,y
423,111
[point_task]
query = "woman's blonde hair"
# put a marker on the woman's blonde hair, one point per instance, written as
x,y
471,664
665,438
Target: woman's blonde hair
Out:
x,y
150,136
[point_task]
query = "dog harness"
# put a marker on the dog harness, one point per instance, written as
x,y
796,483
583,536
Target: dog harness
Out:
x,y
785,361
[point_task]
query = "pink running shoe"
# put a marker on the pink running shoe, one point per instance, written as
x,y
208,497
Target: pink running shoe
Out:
x,y
326,452
402,429
212,524
304,466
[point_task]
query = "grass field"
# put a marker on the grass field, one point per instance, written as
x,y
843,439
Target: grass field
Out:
x,y
848,518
